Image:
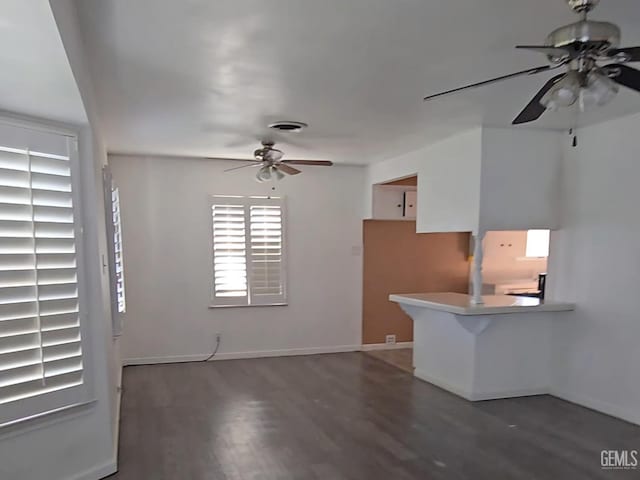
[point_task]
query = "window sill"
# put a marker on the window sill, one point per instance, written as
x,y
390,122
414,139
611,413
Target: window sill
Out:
x,y
44,419
251,306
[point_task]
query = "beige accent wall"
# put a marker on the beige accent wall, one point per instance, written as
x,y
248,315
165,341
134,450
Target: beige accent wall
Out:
x,y
398,260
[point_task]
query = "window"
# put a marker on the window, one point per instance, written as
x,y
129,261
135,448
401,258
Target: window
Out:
x,y
117,251
248,251
114,245
537,243
41,364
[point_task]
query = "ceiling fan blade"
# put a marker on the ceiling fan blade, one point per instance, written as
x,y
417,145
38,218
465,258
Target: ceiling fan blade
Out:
x,y
629,77
633,53
252,164
535,109
313,163
531,71
551,51
287,169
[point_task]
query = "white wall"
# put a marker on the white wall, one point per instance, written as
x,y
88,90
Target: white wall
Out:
x,y
74,42
520,178
595,261
448,181
167,243
79,444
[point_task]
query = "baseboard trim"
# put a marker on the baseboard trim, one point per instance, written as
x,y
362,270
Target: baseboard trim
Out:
x,y
99,472
479,396
367,347
598,406
595,405
242,355
118,409
420,374
497,395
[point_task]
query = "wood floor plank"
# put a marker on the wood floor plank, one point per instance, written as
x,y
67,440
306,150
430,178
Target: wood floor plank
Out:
x,y
347,417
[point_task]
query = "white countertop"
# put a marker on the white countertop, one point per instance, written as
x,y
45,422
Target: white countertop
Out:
x,y
460,303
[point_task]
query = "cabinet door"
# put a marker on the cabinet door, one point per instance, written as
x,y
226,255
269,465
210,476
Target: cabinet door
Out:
x,y
410,204
388,204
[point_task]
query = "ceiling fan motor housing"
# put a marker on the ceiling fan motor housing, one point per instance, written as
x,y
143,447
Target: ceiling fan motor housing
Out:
x,y
580,6
585,36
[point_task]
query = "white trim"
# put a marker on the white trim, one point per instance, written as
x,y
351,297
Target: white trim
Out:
x,y
499,394
367,347
598,405
101,471
479,396
242,355
441,384
116,420
35,123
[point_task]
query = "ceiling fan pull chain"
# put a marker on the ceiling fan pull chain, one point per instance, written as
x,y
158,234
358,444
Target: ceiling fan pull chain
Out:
x,y
574,140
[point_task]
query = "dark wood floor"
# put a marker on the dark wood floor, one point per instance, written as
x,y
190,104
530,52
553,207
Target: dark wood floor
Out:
x,y
401,357
347,416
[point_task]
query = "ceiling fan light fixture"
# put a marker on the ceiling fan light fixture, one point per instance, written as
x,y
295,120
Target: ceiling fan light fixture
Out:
x,y
269,172
278,174
564,93
599,90
264,174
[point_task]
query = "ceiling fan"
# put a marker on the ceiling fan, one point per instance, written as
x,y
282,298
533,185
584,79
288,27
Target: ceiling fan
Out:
x,y
579,47
271,164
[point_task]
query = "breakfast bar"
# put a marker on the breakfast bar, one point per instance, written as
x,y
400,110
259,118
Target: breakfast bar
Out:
x,y
499,348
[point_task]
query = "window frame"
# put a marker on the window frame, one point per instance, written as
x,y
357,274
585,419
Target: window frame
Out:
x,y
22,132
249,301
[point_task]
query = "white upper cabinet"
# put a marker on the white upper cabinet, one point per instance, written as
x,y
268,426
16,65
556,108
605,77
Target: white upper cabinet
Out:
x,y
410,203
394,202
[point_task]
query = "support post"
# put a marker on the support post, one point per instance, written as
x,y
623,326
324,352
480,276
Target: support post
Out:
x,y
477,268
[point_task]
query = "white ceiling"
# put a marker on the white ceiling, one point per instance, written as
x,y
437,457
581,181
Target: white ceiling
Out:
x,y
36,77
202,77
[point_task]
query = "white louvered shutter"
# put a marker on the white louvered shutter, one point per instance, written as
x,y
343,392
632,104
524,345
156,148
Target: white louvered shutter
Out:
x,y
266,262
40,341
248,251
118,251
229,252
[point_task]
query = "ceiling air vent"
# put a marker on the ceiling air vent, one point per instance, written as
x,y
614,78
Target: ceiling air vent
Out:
x,y
288,126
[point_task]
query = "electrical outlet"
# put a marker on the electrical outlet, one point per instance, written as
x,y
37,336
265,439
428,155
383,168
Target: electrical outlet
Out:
x,y
218,337
390,340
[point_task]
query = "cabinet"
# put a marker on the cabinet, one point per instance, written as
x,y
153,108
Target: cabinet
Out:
x,y
394,202
410,203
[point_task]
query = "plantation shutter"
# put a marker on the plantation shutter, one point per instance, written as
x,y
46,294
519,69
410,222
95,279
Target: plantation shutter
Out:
x,y
229,252
41,367
114,247
118,251
248,251
265,257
